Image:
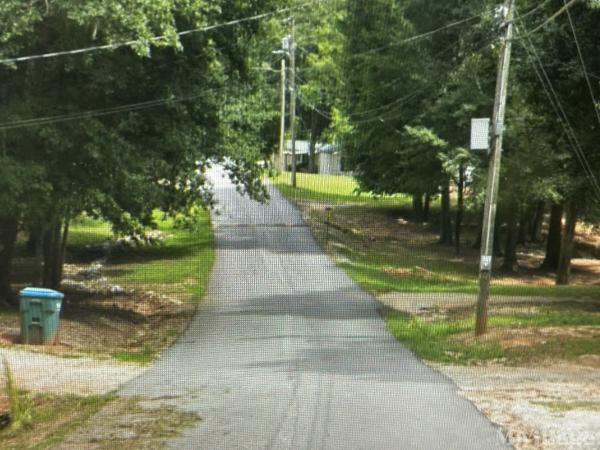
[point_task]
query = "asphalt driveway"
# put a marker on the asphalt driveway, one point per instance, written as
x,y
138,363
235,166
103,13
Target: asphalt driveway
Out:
x,y
287,352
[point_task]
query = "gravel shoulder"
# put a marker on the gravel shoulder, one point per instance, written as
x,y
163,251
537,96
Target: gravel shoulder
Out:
x,y
542,408
38,372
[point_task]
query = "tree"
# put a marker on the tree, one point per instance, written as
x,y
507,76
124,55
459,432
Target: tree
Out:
x,y
119,164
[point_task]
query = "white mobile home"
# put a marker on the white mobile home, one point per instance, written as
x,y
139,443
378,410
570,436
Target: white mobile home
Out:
x,y
328,156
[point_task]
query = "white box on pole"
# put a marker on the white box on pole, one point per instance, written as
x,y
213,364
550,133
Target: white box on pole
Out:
x,y
480,134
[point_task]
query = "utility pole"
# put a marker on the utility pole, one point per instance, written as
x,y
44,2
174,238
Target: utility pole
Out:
x,y
493,181
282,124
293,96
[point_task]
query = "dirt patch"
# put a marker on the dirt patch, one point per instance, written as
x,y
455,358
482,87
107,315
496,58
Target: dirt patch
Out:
x,y
409,273
131,424
102,323
3,404
522,400
452,303
589,361
509,338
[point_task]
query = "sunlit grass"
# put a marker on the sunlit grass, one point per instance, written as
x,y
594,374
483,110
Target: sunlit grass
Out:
x,y
332,189
433,339
86,231
182,261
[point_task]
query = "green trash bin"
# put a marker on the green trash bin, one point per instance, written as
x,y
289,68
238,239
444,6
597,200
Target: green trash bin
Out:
x,y
40,315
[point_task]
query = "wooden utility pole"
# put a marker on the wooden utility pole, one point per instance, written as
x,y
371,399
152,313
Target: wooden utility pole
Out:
x,y
493,181
282,123
293,96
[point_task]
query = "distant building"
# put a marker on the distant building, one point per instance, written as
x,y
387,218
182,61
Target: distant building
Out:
x,y
328,157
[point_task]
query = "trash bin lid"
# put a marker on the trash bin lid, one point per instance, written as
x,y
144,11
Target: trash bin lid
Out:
x,y
32,292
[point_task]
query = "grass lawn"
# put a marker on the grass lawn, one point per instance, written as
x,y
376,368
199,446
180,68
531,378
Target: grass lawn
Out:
x,y
180,264
334,189
88,232
381,249
371,240
521,335
160,286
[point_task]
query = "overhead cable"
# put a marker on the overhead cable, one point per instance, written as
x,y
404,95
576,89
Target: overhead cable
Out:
x,y
49,120
560,112
581,60
154,39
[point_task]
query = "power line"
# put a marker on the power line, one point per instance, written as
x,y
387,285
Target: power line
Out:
x,y
380,117
534,9
560,111
422,35
50,120
585,73
155,39
553,17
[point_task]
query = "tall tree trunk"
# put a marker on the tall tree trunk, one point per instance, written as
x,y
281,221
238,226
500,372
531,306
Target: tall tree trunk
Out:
x,y
426,207
563,273
554,238
524,220
32,238
8,237
38,254
446,220
417,206
63,250
460,208
535,230
314,129
512,234
52,256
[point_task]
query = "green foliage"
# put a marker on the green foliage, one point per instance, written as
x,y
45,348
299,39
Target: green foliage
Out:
x,y
20,404
122,166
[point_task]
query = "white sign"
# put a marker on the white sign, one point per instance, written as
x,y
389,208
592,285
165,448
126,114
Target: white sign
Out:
x,y
480,134
486,263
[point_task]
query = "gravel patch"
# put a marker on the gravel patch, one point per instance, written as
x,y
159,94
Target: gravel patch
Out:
x,y
40,372
549,408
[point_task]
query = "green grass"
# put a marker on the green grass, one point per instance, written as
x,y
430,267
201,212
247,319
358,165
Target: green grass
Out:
x,y
86,231
446,278
436,340
182,262
20,405
431,340
365,260
143,357
337,189
53,418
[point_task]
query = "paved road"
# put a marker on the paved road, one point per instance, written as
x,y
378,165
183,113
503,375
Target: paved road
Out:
x,y
287,353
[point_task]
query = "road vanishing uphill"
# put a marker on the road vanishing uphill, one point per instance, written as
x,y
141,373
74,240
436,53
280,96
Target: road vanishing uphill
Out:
x,y
287,352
